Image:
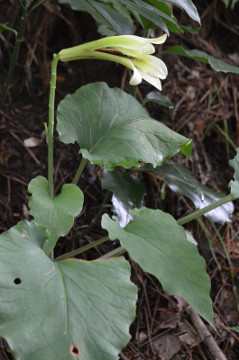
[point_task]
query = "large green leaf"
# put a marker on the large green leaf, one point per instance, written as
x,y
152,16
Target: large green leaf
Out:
x,y
150,12
111,21
57,213
37,234
128,193
114,19
216,64
113,129
158,244
165,8
64,310
188,6
122,16
181,181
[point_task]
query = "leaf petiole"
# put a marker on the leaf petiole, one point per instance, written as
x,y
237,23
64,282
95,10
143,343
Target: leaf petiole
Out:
x,y
79,171
82,249
206,209
51,123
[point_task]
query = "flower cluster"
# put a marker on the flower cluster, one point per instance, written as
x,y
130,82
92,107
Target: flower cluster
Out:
x,y
131,51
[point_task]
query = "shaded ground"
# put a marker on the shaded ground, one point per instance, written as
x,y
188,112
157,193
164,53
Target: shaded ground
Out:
x,y
163,328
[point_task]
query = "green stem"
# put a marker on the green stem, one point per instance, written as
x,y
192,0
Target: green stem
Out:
x,y
35,5
204,210
83,249
225,126
204,229
51,124
225,134
116,252
21,5
134,91
79,171
14,56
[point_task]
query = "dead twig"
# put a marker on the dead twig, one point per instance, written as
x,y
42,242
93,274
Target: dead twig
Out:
x,y
205,335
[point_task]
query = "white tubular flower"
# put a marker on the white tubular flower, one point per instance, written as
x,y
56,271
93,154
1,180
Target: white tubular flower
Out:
x,y
131,51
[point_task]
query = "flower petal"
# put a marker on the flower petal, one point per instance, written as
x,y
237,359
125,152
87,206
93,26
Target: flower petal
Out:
x,y
130,42
136,78
143,45
141,40
159,40
152,80
145,49
151,65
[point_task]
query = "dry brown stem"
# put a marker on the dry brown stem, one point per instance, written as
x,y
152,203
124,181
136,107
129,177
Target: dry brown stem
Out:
x,y
205,335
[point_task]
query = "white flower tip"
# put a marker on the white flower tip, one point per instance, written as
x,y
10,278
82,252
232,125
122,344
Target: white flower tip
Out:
x,y
159,40
148,49
136,78
157,84
164,71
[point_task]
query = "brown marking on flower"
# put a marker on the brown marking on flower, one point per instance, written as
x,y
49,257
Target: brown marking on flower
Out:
x,y
115,52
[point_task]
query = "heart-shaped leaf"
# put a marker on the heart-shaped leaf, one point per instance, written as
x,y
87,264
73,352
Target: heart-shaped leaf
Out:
x,y
64,310
113,129
128,193
181,181
158,244
56,214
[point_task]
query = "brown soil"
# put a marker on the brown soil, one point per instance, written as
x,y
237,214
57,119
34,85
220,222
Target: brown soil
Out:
x,y
164,328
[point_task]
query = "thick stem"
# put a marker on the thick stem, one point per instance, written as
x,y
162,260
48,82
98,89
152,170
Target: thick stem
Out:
x,y
116,252
50,131
83,249
14,57
225,134
206,209
204,229
79,171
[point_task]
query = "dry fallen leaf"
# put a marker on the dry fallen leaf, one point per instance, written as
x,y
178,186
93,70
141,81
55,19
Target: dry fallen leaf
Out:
x,y
168,320
166,346
31,142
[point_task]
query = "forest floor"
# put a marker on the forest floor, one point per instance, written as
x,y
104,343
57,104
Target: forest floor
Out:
x,y
203,100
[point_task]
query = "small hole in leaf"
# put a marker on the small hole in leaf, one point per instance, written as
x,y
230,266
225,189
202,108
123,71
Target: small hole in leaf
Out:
x,y
75,350
17,281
